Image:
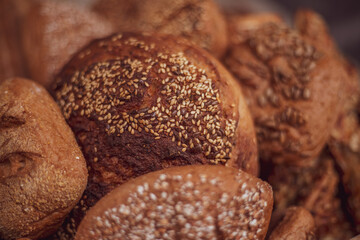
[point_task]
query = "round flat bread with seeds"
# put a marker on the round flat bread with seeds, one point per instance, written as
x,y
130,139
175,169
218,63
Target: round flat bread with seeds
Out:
x,y
292,82
143,103
192,202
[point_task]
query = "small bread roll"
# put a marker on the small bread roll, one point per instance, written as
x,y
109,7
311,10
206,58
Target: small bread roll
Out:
x,y
292,85
200,21
141,103
192,202
42,170
52,31
296,224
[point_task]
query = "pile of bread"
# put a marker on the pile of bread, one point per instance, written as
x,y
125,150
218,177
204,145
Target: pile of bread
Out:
x,y
157,119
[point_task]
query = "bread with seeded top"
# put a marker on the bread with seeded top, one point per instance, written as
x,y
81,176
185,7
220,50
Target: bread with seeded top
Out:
x,y
140,103
191,202
292,81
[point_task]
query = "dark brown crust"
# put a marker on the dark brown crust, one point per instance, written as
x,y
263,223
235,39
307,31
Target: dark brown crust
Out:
x,y
293,88
115,153
42,170
296,224
53,31
200,21
198,202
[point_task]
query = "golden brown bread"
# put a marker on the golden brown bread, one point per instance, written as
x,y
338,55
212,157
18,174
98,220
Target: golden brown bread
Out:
x,y
191,202
42,170
200,21
139,103
296,224
293,87
11,56
52,31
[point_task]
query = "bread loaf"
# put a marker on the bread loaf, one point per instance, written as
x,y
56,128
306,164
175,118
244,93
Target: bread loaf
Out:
x,y
42,170
140,103
52,31
200,21
192,202
293,86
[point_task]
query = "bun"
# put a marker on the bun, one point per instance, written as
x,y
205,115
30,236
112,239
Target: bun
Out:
x,y
140,103
42,170
297,224
192,202
53,31
293,87
200,21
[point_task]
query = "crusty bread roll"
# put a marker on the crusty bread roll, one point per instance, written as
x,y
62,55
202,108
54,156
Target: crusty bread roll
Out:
x,y
200,21
296,224
139,103
52,31
192,202
293,87
42,170
316,189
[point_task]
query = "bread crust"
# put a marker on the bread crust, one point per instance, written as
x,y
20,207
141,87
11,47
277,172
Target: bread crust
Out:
x,y
197,202
53,31
293,87
296,224
42,170
200,21
153,113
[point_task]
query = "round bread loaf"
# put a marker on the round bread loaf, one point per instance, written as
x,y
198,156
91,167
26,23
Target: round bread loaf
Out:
x,y
52,31
200,21
42,170
191,202
292,83
141,103
296,224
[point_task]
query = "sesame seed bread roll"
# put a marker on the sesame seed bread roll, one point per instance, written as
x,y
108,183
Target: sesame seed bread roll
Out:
x,y
139,103
191,202
42,170
296,224
200,21
293,87
52,31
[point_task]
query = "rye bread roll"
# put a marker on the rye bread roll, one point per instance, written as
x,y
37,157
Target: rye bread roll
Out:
x,y
296,224
52,31
42,170
191,202
200,21
292,82
139,103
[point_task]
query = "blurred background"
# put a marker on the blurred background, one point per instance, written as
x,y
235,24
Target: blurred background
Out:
x,y
343,17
